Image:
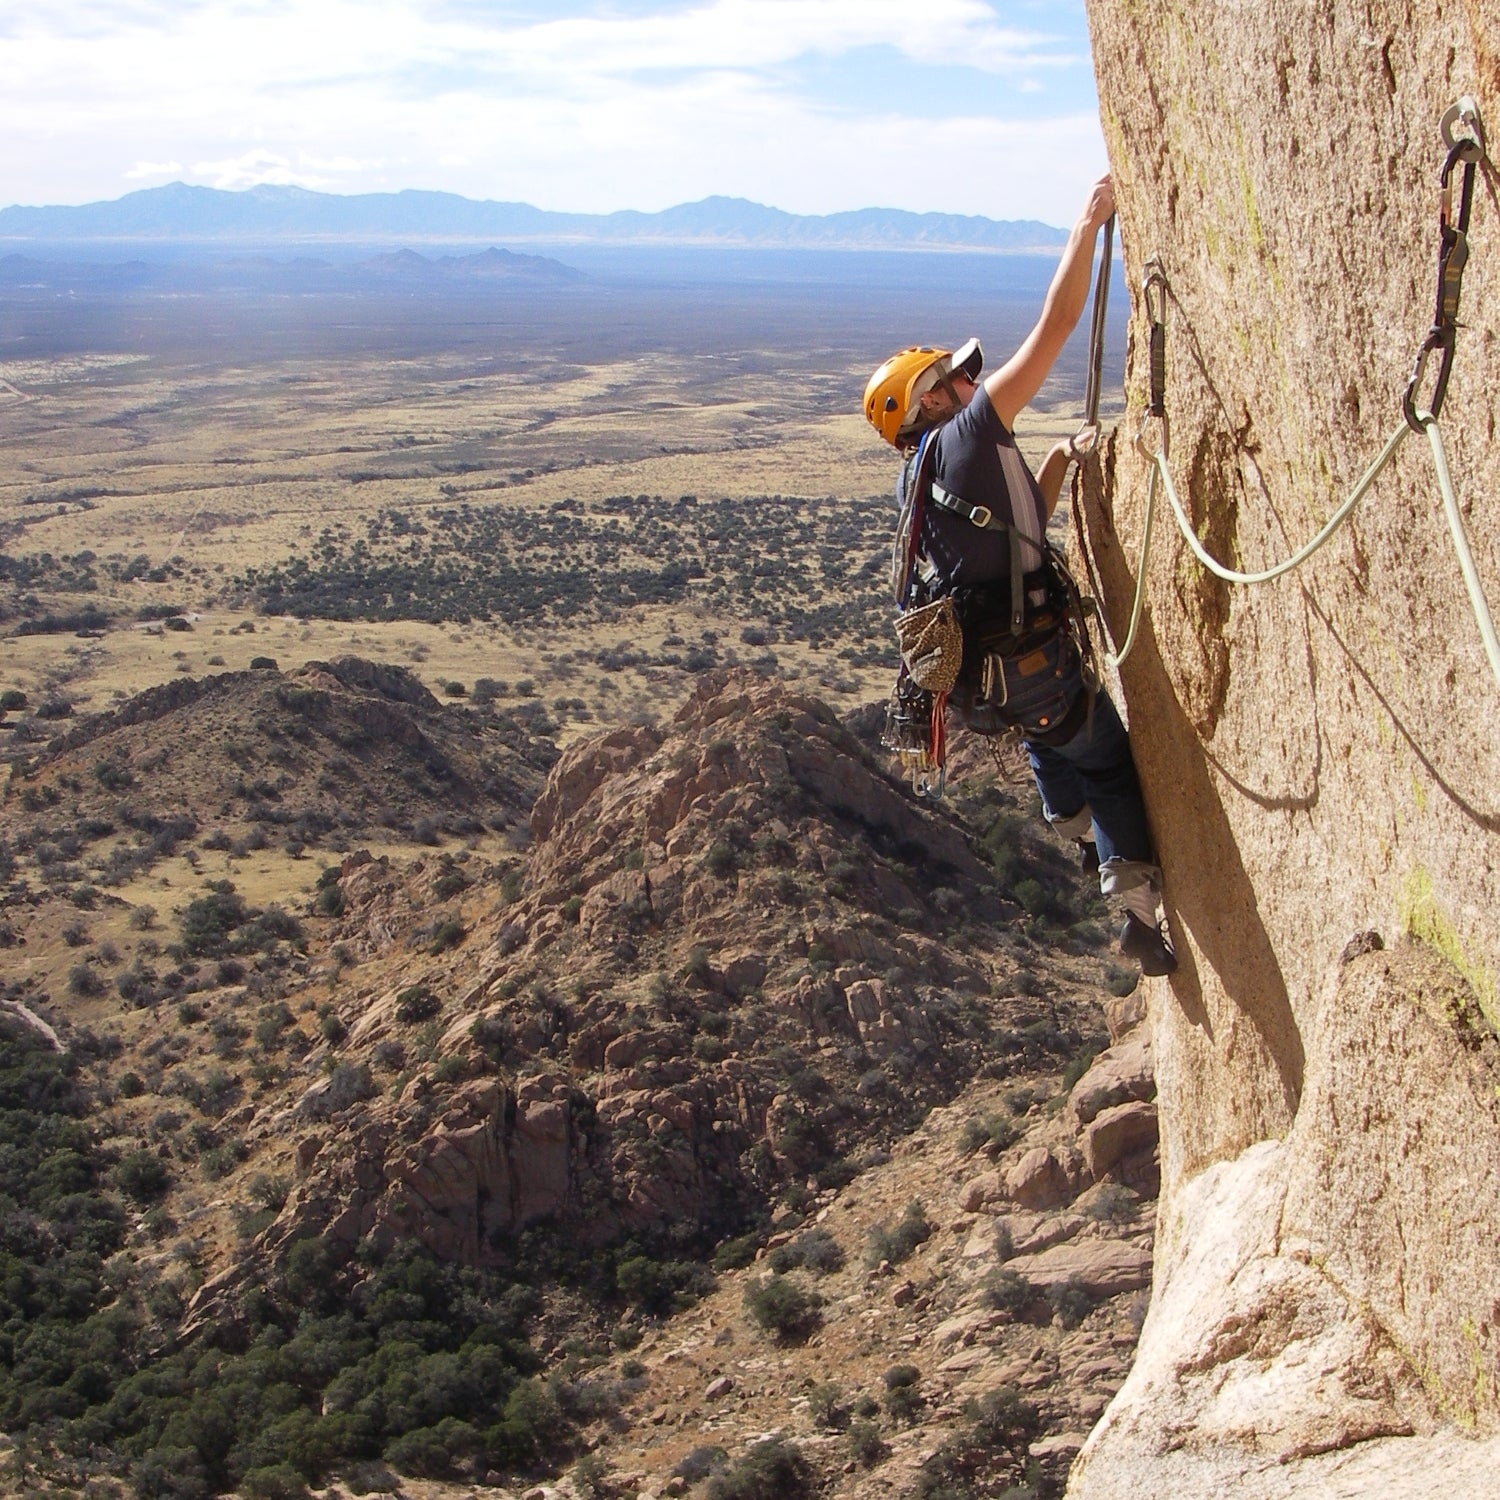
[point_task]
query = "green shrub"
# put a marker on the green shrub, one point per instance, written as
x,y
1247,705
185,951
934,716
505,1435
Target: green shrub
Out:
x,y
711,1049
866,1447
1111,1203
784,1309
275,1482
591,1476
898,1244
903,1404
990,1133
772,1470
1008,1291
698,1463
1072,1301
825,1405
416,1003
85,982
450,1069
448,933
658,1287
817,1250
329,902
989,1455
734,1254
820,955
143,1176
720,860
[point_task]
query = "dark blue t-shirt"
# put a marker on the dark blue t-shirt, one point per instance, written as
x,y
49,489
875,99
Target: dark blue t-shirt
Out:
x,y
975,457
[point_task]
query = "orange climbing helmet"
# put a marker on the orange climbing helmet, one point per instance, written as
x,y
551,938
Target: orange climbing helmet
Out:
x,y
895,390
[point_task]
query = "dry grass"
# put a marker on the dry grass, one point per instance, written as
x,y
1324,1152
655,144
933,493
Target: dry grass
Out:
x,y
244,466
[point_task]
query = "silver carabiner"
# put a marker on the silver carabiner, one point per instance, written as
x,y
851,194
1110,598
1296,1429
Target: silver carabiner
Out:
x,y
1083,442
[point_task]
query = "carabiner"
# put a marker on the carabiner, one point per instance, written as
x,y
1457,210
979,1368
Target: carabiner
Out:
x,y
1155,282
1438,340
1083,442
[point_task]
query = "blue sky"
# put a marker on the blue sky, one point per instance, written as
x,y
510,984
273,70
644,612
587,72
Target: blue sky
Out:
x,y
986,107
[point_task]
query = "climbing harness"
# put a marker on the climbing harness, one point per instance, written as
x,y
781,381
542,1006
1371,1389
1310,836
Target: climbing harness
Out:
x,y
1021,643
1467,149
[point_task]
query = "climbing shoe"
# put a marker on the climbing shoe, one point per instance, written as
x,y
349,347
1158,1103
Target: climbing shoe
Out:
x,y
1148,946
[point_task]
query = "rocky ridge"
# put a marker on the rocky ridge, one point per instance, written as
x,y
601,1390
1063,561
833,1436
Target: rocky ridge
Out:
x,y
734,985
738,948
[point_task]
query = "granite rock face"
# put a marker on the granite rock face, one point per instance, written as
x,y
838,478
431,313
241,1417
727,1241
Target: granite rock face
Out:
x,y
1318,753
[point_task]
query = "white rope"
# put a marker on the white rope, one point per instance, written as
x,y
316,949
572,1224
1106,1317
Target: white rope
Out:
x,y
1483,618
1113,660
1265,575
1477,601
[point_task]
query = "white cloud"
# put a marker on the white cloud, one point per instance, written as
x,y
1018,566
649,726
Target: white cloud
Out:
x,y
250,168
144,169
588,112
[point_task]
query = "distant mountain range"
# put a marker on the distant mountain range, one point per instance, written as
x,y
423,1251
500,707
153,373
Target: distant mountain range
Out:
x,y
179,212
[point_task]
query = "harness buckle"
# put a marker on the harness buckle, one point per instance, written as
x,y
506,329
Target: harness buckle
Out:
x,y
981,516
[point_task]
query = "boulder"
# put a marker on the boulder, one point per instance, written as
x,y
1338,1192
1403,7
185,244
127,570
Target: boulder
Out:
x,y
1105,1267
1118,1132
1118,1075
1038,1180
1123,1013
744,973
978,1191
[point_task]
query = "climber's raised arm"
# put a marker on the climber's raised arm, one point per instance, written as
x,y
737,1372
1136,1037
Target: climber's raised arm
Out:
x,y
1014,384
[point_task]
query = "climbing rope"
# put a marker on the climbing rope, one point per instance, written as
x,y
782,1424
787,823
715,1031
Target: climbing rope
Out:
x,y
1467,149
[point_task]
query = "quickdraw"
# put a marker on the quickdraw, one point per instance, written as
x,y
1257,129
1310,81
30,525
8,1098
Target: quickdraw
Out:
x,y
1453,256
1086,439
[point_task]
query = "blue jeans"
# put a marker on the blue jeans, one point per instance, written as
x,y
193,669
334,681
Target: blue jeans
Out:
x,y
1093,777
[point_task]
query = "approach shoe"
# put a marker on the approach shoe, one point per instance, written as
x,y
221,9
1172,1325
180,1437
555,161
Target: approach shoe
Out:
x,y
1148,946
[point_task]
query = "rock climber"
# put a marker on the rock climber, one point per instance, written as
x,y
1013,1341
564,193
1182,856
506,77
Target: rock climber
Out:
x,y
982,528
